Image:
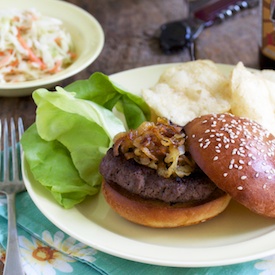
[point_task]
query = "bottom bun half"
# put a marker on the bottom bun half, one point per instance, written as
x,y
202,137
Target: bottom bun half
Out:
x,y
158,214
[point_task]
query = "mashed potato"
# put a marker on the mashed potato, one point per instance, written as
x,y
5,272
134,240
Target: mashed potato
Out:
x,y
189,90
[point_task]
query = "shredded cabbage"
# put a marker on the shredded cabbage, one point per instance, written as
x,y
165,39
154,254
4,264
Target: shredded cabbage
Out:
x,y
32,46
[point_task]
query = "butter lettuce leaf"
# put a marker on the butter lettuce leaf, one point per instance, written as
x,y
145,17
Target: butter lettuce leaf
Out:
x,y
101,90
74,128
52,166
60,111
67,142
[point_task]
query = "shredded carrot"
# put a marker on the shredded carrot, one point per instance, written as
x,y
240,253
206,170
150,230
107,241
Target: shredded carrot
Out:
x,y
8,51
15,63
58,41
31,54
5,60
72,55
56,67
15,19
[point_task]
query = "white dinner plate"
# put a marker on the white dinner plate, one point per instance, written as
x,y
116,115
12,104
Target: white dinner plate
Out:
x,y
237,235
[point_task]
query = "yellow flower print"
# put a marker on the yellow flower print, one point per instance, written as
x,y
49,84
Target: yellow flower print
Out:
x,y
69,246
41,259
2,254
57,254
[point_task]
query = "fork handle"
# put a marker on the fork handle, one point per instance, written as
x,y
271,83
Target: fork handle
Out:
x,y
13,264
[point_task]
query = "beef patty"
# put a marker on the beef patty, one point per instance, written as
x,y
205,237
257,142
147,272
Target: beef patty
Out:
x,y
145,182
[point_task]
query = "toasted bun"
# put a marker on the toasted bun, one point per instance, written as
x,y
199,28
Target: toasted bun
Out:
x,y
159,214
238,155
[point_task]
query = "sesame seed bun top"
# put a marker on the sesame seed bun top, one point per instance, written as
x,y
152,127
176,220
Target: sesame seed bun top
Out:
x,y
238,155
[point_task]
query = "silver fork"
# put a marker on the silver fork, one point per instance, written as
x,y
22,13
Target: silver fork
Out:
x,y
11,184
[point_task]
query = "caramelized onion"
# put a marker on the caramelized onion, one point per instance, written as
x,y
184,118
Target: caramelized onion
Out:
x,y
160,146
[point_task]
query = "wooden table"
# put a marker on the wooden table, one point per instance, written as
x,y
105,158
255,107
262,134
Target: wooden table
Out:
x,y
131,28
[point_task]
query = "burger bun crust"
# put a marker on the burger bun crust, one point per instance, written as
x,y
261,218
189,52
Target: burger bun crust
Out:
x,y
238,155
157,214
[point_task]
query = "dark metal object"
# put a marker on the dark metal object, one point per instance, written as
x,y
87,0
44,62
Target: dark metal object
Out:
x,y
179,35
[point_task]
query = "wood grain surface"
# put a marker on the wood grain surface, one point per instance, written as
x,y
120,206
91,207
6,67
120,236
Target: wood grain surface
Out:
x,y
131,40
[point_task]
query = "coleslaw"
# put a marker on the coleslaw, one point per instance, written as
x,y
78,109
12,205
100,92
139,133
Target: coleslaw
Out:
x,y
32,46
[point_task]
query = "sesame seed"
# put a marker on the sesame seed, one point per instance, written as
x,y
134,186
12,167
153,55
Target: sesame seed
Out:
x,y
251,142
206,145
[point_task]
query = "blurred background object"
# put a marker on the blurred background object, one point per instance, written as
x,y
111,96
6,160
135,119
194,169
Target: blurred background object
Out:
x,y
267,41
181,34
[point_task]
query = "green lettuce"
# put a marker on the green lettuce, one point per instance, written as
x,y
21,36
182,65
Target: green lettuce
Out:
x,y
52,166
74,128
101,90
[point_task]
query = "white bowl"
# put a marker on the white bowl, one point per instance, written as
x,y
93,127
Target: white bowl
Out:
x,y
86,33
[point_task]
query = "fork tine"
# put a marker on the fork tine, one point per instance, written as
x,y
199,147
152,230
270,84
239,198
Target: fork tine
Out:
x,y
6,150
20,128
20,131
14,167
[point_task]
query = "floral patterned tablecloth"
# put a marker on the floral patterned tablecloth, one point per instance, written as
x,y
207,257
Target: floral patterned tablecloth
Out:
x,y
47,250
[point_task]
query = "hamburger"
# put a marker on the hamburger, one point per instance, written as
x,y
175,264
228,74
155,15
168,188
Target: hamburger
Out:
x,y
150,178
163,175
